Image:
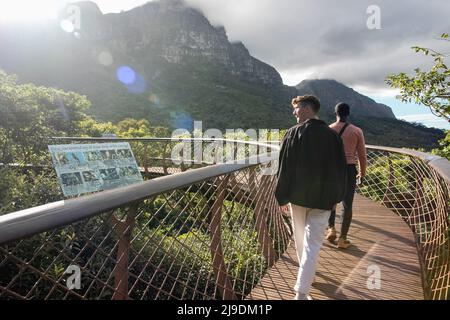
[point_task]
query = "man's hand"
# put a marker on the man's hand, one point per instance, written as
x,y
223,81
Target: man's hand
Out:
x,y
286,208
359,178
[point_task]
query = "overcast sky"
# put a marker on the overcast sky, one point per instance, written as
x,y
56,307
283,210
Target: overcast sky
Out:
x,y
316,38
328,38
306,39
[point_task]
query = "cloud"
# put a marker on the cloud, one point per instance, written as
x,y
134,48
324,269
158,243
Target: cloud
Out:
x,y
429,120
108,6
422,117
330,39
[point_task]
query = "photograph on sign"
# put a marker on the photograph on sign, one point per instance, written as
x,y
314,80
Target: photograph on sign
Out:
x,y
83,168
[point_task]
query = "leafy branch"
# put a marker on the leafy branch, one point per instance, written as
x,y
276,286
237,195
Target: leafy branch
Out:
x,y
430,88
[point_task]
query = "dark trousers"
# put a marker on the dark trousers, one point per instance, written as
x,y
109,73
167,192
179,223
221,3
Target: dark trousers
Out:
x,y
347,203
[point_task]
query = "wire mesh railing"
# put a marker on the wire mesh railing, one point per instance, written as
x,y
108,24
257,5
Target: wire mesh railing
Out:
x,y
211,232
416,186
207,233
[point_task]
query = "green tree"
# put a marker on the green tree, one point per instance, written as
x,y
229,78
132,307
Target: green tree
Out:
x,y
444,150
132,128
92,128
30,114
430,88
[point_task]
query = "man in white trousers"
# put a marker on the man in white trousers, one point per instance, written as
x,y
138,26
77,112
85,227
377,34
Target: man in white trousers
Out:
x,y
311,180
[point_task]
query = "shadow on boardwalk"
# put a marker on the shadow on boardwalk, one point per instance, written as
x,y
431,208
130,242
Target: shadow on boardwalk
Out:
x,y
381,241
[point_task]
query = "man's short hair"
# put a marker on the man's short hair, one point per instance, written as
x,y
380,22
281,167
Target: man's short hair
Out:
x,y
342,109
306,100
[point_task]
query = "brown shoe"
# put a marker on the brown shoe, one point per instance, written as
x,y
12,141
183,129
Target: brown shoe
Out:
x,y
331,234
343,243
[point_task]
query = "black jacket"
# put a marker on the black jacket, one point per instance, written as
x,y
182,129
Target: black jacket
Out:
x,y
312,166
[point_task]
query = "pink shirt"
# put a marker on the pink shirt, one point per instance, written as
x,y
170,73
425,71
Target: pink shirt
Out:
x,y
354,144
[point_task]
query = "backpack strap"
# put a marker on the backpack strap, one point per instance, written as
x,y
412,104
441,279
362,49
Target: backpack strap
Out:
x,y
343,129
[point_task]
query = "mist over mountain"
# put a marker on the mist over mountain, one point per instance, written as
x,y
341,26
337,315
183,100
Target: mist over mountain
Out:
x,y
165,62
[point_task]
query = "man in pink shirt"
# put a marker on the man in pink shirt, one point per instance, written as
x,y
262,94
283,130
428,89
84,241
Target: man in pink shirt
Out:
x,y
355,151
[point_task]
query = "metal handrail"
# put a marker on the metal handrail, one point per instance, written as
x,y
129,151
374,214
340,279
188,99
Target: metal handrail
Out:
x,y
24,223
249,142
418,208
416,186
440,164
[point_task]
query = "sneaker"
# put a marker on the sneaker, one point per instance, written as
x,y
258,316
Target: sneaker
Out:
x,y
302,296
343,243
331,234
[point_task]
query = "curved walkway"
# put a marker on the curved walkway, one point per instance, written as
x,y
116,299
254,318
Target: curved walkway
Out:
x,y
381,242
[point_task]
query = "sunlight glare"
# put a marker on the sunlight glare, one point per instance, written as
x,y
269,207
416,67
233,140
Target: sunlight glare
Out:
x,y
28,10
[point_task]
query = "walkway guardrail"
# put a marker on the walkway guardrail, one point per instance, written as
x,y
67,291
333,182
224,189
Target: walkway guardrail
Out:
x,y
416,186
206,233
209,231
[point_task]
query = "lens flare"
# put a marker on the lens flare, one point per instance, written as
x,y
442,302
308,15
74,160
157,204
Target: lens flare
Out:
x,y
181,120
138,86
105,58
126,75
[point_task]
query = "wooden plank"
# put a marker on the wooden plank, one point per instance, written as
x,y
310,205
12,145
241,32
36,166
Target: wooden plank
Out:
x,y
380,239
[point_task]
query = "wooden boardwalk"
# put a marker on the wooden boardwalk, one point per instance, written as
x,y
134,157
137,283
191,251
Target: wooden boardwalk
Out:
x,y
380,240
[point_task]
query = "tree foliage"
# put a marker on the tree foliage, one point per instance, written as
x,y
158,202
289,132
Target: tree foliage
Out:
x,y
430,88
30,114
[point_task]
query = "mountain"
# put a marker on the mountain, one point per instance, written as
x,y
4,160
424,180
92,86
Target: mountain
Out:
x,y
332,92
165,62
377,120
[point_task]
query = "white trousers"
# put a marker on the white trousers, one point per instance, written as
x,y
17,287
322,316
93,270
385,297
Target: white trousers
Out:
x,y
309,226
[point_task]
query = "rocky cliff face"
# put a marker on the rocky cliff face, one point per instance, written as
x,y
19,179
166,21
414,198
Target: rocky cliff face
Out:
x,y
176,34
